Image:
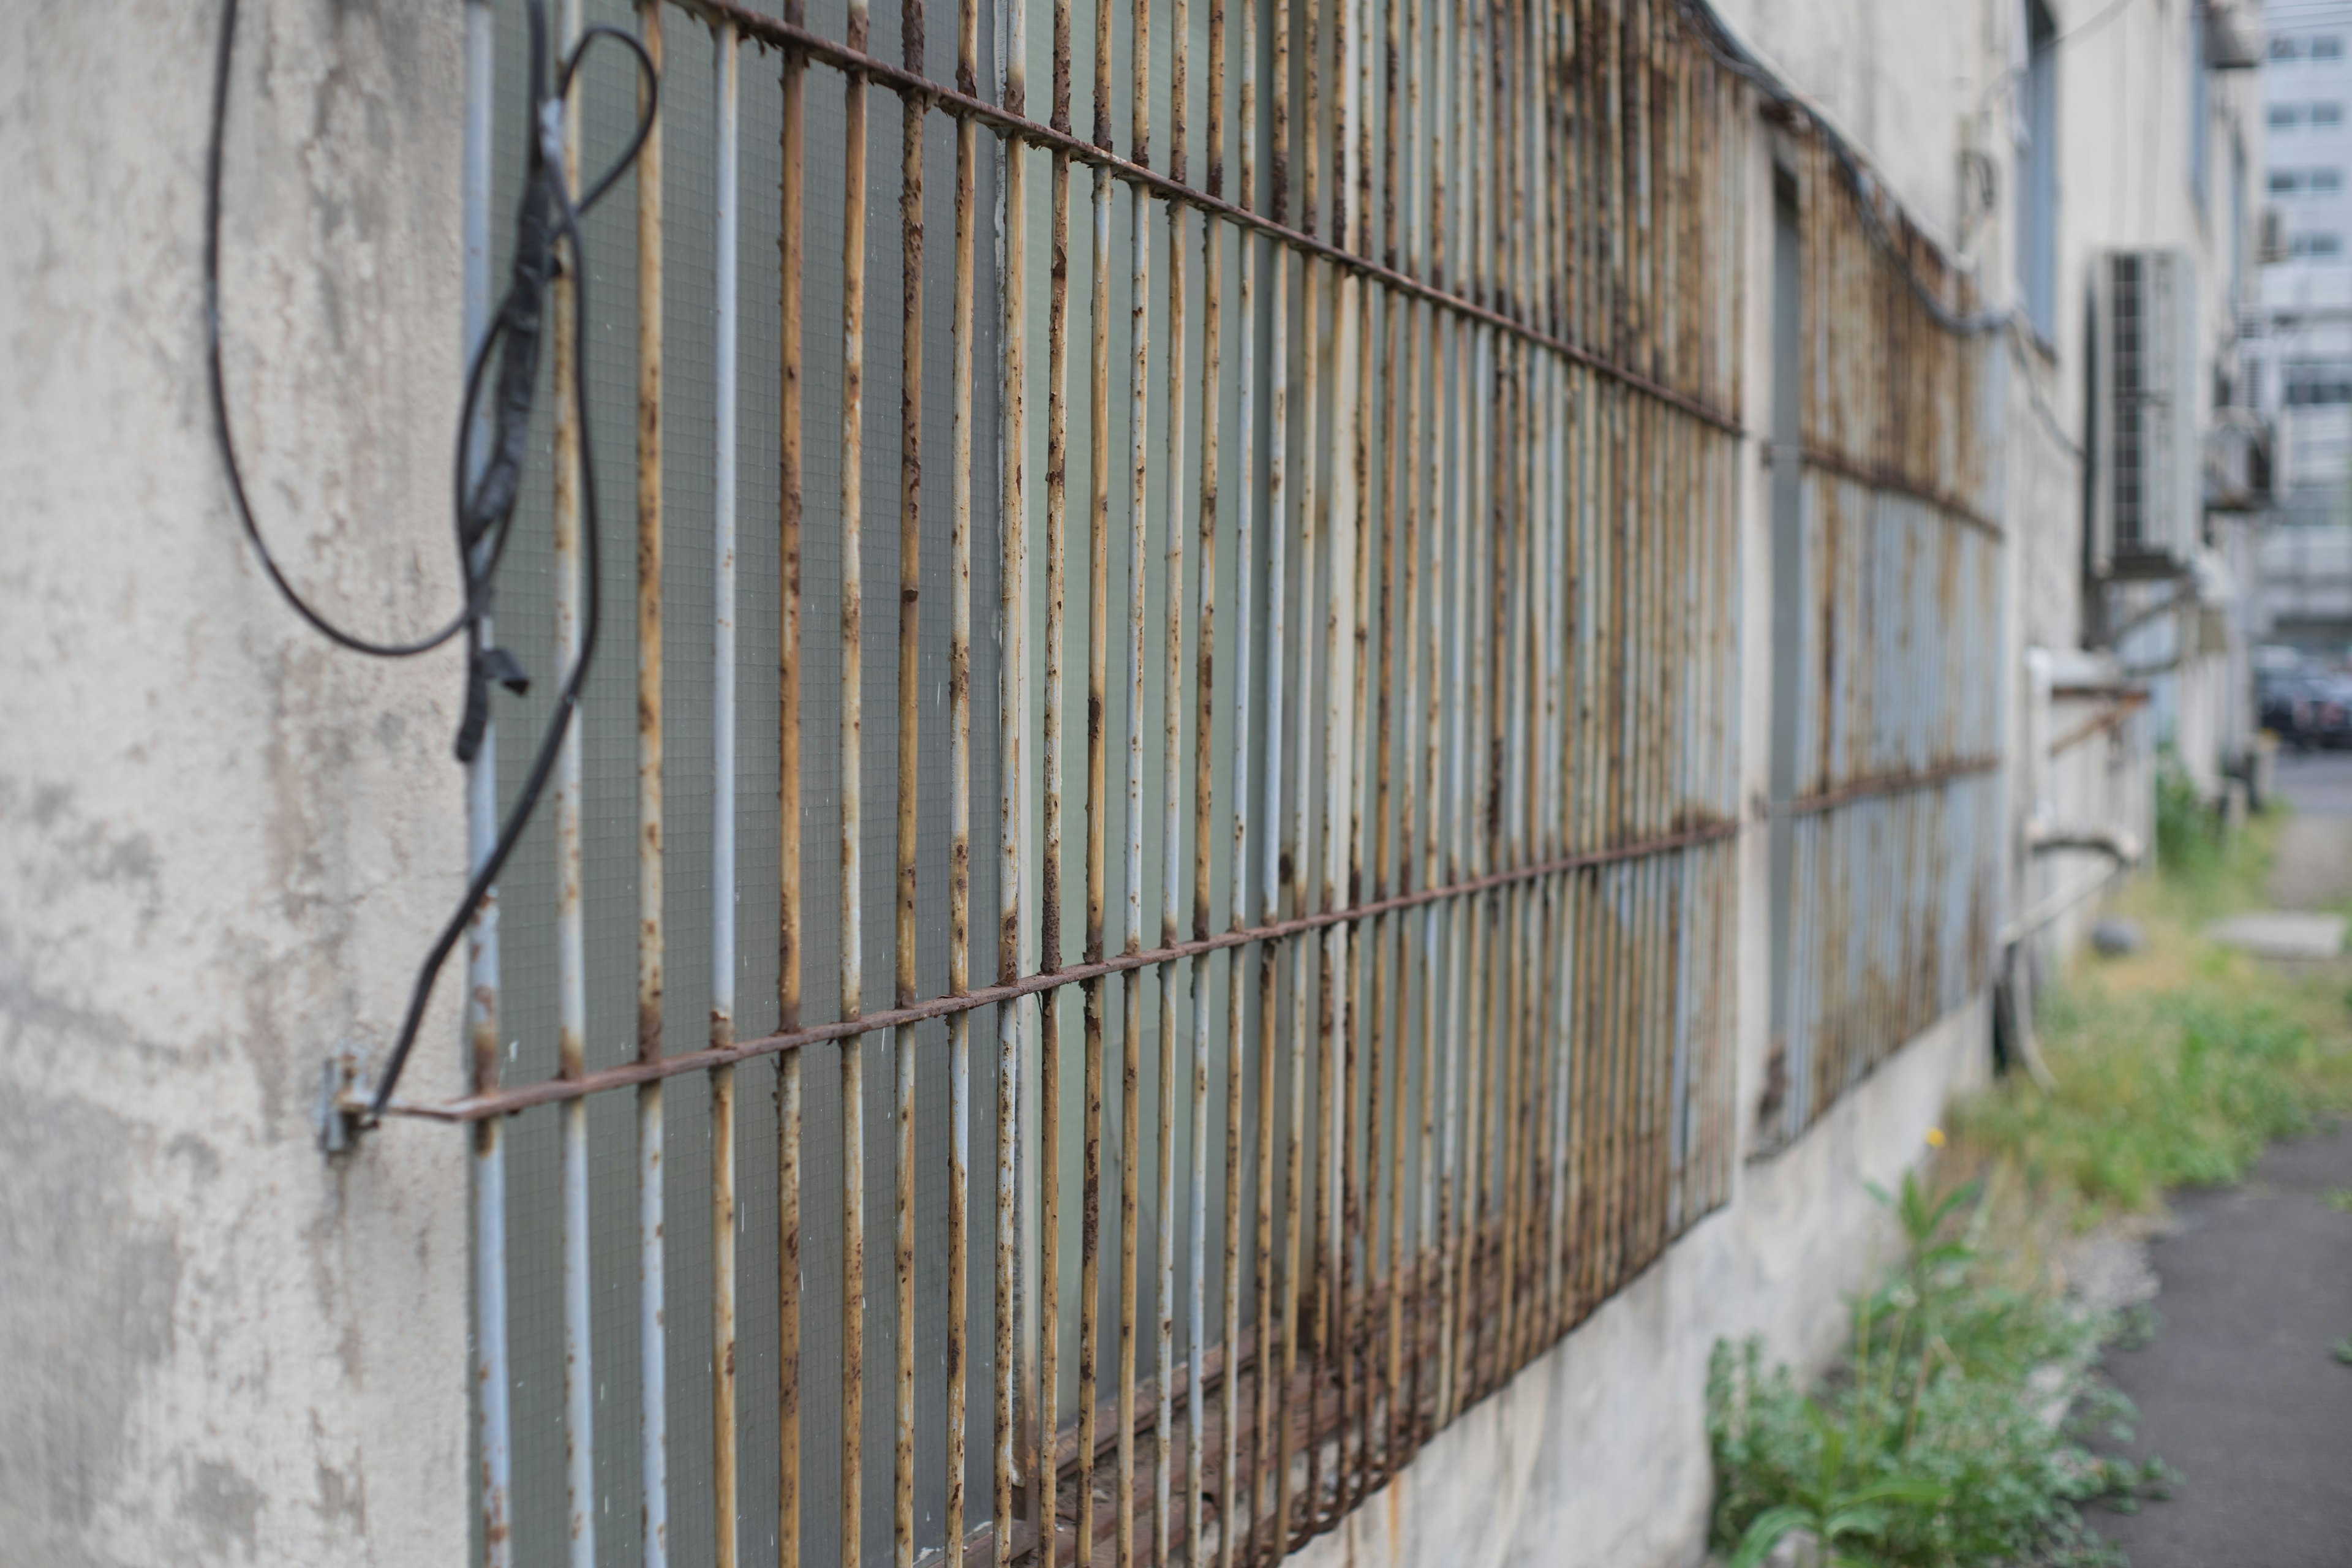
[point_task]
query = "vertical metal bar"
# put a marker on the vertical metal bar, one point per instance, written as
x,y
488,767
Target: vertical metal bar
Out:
x,y
1012,675
493,1440
790,234
722,806
901,1041
1171,865
1239,1498
1098,798
1304,1298
570,947
959,1375
852,791
1204,776
1058,445
1270,1461
653,1338
1130,1146
1394,847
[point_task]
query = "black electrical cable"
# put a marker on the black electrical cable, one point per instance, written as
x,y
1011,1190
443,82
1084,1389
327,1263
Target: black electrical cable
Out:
x,y
548,217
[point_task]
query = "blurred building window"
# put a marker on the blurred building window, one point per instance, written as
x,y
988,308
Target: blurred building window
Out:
x,y
2037,194
2319,382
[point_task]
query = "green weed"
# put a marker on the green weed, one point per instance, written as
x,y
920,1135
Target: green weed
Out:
x,y
1953,1432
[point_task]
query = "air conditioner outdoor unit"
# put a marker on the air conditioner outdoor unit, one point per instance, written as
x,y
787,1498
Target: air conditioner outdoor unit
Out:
x,y
2146,488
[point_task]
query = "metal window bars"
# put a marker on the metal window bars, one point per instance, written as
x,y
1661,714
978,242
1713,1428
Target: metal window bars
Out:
x,y
1433,1027
1896,817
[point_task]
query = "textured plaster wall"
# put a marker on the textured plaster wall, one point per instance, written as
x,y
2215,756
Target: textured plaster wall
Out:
x,y
221,840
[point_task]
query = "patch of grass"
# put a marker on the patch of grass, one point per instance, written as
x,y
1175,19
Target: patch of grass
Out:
x,y
2176,1064
1954,1431
2338,1198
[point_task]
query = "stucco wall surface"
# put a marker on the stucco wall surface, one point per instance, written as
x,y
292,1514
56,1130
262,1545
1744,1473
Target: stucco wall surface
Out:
x,y
1596,1455
220,839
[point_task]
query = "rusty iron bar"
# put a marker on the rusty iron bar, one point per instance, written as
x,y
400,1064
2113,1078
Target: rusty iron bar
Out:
x,y
901,1042
851,787
1098,799
959,1216
1130,1144
653,1355
1203,788
494,1442
1013,627
1050,950
571,934
789,1091
1241,1495
725,238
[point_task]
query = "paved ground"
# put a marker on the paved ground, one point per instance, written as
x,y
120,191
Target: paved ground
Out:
x,y
2240,1389
2314,862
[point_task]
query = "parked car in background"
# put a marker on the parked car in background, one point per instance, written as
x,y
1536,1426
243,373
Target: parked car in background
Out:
x,y
2305,707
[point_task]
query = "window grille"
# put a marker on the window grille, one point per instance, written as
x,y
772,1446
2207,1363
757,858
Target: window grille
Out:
x,y
1888,798
1311,429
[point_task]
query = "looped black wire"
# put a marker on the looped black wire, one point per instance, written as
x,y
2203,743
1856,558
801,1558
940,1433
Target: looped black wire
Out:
x,y
620,165
485,516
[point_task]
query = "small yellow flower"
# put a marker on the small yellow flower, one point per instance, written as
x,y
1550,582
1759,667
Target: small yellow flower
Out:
x,y
1934,1137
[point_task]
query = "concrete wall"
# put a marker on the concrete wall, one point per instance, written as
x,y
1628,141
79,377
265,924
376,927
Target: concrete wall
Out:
x,y
1597,1454
220,839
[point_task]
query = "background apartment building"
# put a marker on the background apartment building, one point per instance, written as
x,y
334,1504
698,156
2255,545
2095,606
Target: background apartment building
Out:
x,y
2299,352
1260,824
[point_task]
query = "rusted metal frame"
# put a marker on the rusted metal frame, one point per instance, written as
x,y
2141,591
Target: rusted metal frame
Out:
x,y
790,234
901,1043
1011,697
1044,1489
727,215
959,630
493,1383
571,931
2112,718
1892,784
851,786
882,73
628,1075
1951,505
